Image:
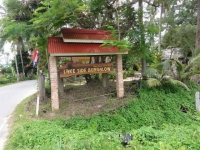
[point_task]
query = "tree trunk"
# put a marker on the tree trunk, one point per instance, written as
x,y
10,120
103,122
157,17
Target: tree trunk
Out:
x,y
60,81
20,45
16,65
41,86
60,85
144,67
197,45
105,79
96,59
160,27
22,61
142,37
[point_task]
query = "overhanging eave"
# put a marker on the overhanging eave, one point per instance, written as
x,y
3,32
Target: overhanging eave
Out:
x,y
85,54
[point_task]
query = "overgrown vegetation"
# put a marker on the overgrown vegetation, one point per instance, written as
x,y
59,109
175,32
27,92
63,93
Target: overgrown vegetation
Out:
x,y
162,118
8,75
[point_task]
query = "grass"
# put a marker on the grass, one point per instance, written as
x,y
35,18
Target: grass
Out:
x,y
159,119
20,114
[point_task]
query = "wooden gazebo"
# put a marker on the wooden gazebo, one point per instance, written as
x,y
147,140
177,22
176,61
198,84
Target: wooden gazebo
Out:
x,y
82,42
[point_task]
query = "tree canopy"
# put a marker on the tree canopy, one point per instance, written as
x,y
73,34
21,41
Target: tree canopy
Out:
x,y
28,23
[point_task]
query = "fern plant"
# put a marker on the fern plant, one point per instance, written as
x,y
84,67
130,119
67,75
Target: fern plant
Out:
x,y
161,74
185,71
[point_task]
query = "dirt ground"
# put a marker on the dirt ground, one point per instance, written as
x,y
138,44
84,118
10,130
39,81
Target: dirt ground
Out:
x,y
81,99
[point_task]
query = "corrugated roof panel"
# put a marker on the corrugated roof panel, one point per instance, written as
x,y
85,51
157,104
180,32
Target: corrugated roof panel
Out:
x,y
84,31
85,34
56,45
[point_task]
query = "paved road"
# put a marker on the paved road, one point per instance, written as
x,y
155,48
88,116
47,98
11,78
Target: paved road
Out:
x,y
10,96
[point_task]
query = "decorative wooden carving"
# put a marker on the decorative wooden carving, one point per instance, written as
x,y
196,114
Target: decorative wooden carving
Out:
x,y
71,69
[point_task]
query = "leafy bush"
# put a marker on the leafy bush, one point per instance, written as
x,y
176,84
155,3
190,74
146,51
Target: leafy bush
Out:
x,y
128,73
112,76
6,70
39,135
163,119
47,89
10,78
3,80
31,77
154,107
8,75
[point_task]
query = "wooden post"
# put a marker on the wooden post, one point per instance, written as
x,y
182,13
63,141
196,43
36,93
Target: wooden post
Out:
x,y
41,86
197,100
105,79
60,84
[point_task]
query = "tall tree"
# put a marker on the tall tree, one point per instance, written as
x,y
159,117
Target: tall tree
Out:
x,y
179,23
197,46
91,14
15,24
182,37
142,37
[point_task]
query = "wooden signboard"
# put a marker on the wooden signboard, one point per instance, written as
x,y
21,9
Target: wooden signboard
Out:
x,y
71,69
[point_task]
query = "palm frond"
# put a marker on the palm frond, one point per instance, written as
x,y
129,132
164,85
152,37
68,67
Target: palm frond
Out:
x,y
177,82
187,75
195,61
179,65
153,82
150,72
164,66
192,49
167,64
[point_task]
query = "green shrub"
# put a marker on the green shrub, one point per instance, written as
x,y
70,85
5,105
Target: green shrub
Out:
x,y
39,135
112,76
128,73
31,77
161,119
10,78
3,80
6,70
154,107
47,89
8,75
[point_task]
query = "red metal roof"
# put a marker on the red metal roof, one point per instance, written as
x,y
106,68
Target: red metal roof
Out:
x,y
56,46
85,34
